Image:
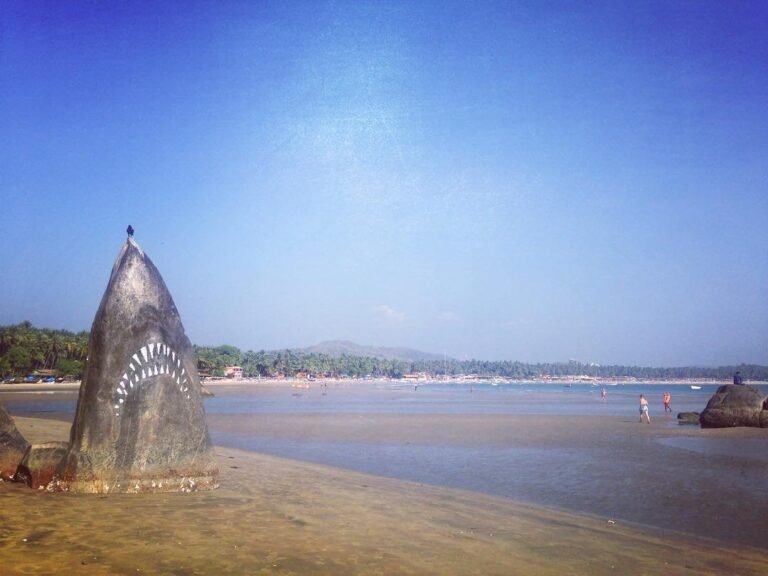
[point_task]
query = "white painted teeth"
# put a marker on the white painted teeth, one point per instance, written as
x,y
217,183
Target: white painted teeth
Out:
x,y
153,359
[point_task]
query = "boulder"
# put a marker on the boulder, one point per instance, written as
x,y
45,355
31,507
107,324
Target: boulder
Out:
x,y
688,418
734,405
12,446
140,423
38,467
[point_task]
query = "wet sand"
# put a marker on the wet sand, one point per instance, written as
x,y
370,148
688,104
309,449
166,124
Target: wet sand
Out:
x,y
610,466
277,516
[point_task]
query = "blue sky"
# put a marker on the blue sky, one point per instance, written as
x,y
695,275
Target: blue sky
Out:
x,y
531,181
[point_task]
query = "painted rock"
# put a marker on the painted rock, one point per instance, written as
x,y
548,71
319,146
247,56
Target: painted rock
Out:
x,y
12,446
140,422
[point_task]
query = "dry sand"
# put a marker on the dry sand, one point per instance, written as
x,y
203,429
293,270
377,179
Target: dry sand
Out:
x,y
277,516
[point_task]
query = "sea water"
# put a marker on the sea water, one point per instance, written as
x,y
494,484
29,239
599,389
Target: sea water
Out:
x,y
423,398
442,398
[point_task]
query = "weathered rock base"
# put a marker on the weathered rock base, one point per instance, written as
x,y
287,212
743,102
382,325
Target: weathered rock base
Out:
x,y
145,484
38,466
9,462
732,406
688,418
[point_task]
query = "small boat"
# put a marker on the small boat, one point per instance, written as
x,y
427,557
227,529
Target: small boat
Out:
x,y
694,387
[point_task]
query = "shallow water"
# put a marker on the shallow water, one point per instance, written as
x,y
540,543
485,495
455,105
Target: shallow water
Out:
x,y
641,479
720,493
610,466
398,398
440,398
743,448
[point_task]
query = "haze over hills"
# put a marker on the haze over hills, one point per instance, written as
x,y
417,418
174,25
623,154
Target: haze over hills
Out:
x,y
339,348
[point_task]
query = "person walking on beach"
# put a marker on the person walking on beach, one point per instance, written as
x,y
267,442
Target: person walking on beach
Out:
x,y
667,400
603,394
644,409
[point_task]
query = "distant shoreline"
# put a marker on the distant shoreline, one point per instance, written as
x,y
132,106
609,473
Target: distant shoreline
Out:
x,y
296,382
304,383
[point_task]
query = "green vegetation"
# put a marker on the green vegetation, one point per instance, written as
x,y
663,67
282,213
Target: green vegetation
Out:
x,y
25,349
293,362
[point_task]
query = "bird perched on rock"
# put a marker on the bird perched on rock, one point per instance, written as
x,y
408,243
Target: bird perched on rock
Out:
x,y
129,230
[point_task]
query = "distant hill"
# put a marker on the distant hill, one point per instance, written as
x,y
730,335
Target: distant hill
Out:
x,y
339,348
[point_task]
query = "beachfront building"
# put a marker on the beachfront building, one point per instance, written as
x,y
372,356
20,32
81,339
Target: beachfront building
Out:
x,y
234,372
418,376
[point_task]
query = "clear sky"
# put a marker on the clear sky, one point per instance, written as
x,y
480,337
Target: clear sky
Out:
x,y
532,181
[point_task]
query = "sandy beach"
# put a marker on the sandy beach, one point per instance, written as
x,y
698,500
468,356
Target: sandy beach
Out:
x,y
275,515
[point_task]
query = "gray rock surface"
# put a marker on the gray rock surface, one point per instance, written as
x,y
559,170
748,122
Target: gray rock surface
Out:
x,y
688,417
140,422
38,467
12,445
733,406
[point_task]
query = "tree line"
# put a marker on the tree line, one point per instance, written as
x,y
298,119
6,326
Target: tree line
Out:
x,y
25,349
292,362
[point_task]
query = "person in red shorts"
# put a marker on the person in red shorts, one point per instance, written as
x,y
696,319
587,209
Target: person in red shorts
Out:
x,y
667,400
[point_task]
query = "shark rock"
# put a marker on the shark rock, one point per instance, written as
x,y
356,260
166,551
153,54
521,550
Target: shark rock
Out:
x,y
140,422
